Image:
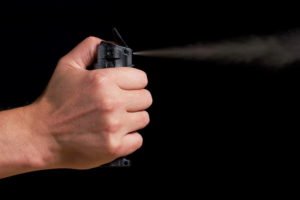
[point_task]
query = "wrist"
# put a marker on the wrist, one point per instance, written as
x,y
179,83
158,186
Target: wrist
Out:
x,y
41,149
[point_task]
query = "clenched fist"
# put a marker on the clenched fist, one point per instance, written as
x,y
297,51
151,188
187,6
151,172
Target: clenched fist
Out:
x,y
84,118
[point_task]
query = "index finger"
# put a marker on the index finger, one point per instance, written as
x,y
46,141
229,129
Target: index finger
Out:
x,y
128,78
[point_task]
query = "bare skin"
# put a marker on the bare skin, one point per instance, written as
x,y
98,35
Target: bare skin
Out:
x,y
84,119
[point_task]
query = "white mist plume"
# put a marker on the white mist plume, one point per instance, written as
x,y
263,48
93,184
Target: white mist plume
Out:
x,y
276,50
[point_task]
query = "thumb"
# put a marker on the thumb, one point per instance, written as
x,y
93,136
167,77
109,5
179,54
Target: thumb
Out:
x,y
83,54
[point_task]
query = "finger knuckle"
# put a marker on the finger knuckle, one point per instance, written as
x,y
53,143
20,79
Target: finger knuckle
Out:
x,y
108,103
140,141
100,78
112,146
111,125
145,118
149,97
144,78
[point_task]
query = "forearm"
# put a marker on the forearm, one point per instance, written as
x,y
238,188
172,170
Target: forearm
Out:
x,y
19,151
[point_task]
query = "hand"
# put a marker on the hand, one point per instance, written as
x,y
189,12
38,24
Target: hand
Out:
x,y
85,118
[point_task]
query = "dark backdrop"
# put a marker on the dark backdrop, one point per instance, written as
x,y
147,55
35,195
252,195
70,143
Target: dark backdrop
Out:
x,y
228,127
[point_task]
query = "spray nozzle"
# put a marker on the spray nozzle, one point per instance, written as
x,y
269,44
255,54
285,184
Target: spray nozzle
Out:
x,y
110,54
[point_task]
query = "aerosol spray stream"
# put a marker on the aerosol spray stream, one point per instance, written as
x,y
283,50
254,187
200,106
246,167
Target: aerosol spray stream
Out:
x,y
274,51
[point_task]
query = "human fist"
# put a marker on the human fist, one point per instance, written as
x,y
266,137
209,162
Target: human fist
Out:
x,y
88,118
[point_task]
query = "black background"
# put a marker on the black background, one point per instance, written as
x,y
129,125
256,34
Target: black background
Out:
x,y
229,128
